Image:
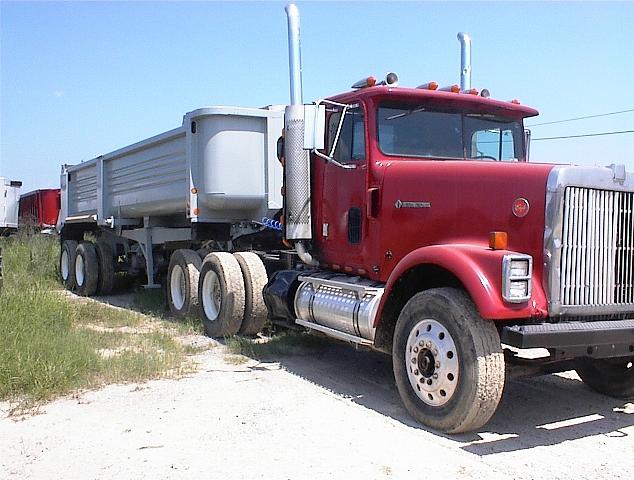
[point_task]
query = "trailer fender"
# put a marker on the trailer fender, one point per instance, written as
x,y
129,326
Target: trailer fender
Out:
x,y
479,270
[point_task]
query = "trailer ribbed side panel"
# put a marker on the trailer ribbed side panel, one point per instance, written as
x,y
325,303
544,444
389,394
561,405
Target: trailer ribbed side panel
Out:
x,y
82,191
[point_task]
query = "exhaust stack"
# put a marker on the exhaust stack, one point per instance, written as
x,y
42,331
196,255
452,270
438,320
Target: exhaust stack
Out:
x,y
297,203
465,60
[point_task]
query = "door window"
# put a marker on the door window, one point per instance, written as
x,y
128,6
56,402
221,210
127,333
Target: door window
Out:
x,y
351,143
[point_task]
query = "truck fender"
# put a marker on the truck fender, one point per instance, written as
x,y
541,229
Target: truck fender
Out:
x,y
479,269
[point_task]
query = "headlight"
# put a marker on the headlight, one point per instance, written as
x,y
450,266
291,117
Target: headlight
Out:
x,y
517,273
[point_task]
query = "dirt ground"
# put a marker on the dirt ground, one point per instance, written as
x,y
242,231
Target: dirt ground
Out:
x,y
335,414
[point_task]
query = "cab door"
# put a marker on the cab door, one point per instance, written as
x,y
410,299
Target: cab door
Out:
x,y
343,228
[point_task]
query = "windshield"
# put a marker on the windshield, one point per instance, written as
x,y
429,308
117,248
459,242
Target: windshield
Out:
x,y
419,131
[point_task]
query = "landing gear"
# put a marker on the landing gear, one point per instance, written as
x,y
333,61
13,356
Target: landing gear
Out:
x,y
448,361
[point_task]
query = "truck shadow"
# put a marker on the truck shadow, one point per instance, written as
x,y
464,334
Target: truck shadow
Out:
x,y
534,412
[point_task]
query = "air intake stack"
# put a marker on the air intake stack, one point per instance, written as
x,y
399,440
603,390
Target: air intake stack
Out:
x,y
465,61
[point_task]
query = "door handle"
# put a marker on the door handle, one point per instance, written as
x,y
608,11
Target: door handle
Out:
x,y
372,204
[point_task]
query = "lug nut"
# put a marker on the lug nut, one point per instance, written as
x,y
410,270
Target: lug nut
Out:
x,y
415,349
428,344
437,365
413,360
435,352
421,343
415,372
435,376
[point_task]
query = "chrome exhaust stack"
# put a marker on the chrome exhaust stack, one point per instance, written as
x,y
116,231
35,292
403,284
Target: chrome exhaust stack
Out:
x,y
465,60
297,160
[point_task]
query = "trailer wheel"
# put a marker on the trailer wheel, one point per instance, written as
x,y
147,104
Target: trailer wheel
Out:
x,y
613,377
255,279
67,263
105,257
182,287
86,269
448,361
221,294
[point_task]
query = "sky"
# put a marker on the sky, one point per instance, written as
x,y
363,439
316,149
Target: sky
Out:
x,y
81,79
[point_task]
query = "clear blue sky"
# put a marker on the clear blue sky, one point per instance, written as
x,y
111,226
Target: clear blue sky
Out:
x,y
82,79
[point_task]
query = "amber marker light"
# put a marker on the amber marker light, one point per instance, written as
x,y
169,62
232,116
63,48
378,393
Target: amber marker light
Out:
x,y
498,240
471,91
194,190
515,101
429,86
196,211
452,89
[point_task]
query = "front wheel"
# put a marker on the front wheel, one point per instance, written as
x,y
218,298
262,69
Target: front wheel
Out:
x,y
613,377
448,361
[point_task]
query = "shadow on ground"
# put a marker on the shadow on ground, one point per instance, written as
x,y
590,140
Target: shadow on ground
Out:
x,y
534,412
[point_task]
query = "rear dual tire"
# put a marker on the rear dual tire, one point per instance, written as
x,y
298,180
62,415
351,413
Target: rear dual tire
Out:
x,y
230,293
182,283
86,269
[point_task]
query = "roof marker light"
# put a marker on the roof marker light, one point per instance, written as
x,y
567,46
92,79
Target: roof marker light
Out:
x,y
428,86
470,91
451,88
365,82
515,101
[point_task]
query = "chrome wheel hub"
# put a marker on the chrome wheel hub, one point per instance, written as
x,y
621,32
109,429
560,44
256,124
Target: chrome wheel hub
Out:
x,y
432,363
211,295
65,265
79,270
177,287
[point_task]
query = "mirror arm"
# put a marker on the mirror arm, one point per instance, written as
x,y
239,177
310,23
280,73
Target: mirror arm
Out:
x,y
333,161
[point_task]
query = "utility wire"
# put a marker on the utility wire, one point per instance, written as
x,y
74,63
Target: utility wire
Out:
x,y
582,118
579,136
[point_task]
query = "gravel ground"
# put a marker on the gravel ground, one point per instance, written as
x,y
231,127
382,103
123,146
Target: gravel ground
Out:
x,y
335,414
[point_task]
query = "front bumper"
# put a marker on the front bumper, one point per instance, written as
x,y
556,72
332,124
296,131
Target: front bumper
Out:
x,y
603,339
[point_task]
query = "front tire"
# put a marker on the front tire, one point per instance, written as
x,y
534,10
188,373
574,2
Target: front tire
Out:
x,y
86,269
448,361
613,377
221,294
182,282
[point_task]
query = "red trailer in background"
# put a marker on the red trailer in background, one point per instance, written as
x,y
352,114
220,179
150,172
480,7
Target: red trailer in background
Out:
x,y
40,208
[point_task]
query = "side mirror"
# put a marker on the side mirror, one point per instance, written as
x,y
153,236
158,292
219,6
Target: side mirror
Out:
x,y
314,126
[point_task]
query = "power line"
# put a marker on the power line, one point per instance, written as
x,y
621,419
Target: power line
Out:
x,y
582,118
585,135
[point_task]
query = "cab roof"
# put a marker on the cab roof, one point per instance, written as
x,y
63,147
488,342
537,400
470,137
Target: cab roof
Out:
x,y
438,98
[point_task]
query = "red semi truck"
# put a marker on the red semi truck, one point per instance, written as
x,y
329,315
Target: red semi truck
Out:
x,y
412,223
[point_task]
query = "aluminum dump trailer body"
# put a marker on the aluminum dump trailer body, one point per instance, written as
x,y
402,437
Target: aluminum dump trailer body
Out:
x,y
9,198
219,166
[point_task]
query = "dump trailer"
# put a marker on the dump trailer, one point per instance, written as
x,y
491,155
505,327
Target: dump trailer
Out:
x,y
406,220
9,198
40,208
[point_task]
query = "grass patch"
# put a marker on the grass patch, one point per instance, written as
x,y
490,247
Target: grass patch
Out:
x,y
50,345
285,344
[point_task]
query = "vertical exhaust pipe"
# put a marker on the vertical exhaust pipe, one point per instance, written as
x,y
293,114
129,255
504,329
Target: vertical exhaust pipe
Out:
x,y
294,54
465,60
297,203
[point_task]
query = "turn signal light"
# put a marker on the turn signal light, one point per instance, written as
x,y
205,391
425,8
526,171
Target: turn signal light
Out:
x,y
498,240
429,86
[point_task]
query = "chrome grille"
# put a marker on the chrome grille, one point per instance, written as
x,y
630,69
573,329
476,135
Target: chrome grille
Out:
x,y
597,256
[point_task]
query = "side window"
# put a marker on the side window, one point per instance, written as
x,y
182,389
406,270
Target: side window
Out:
x,y
493,144
351,143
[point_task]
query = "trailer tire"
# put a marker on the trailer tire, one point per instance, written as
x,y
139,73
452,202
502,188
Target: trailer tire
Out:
x,y
182,282
221,294
613,377
67,263
105,257
255,279
448,361
86,269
